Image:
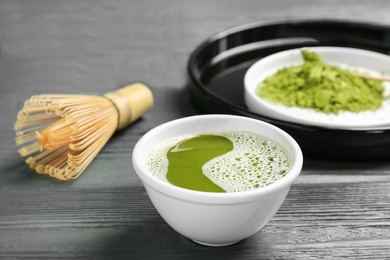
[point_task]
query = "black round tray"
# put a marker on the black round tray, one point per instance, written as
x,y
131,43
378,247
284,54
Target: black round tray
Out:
x,y
216,70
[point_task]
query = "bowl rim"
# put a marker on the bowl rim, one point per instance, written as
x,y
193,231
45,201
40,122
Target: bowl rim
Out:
x,y
250,86
149,180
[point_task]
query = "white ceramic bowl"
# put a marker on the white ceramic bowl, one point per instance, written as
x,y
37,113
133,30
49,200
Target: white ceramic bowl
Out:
x,y
215,219
361,60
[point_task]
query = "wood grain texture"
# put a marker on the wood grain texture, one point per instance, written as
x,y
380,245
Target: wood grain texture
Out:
x,y
338,210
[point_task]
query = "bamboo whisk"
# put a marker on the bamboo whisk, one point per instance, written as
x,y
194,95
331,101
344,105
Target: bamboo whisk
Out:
x,y
62,134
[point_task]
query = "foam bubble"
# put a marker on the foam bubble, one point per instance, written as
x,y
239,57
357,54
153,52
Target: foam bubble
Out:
x,y
254,162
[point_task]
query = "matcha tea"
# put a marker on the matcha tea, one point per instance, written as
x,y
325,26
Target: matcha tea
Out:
x,y
322,87
219,162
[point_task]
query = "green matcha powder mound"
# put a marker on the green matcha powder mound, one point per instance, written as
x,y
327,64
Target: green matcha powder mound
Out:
x,y
320,86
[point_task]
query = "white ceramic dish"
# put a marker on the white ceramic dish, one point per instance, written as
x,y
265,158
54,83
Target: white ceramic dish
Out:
x,y
209,218
361,60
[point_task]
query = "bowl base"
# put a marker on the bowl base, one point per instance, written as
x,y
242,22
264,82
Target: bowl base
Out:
x,y
216,244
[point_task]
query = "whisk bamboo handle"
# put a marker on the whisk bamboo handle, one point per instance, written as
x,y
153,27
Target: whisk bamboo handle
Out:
x,y
131,102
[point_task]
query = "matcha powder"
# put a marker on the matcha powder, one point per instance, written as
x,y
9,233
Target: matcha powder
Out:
x,y
320,86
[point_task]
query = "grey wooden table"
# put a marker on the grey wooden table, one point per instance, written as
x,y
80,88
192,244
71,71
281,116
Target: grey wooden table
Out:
x,y
334,210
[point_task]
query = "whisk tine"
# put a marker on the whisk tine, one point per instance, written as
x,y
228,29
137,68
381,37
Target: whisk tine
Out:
x,y
48,156
29,149
62,134
25,138
40,118
33,129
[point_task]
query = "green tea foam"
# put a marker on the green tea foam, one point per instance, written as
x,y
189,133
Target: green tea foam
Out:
x,y
254,162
